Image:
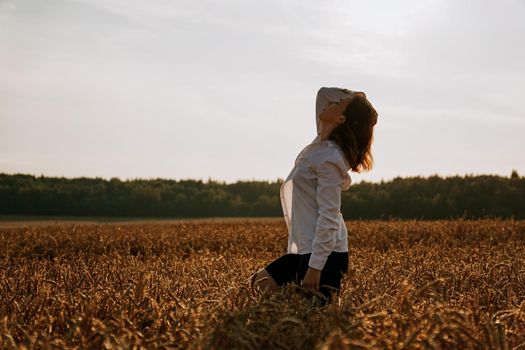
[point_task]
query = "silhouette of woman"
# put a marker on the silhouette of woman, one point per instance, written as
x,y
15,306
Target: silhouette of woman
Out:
x,y
317,253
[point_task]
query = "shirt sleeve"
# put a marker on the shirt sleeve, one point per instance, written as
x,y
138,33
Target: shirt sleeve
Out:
x,y
328,195
328,95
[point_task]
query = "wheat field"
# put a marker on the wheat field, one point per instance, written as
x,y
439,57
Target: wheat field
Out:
x,y
147,285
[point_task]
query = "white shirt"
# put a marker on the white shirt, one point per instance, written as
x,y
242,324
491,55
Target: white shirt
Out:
x,y
311,200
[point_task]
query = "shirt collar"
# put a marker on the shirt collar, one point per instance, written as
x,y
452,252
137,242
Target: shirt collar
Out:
x,y
317,139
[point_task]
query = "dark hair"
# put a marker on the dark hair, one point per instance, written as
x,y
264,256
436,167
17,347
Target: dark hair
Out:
x,y
355,135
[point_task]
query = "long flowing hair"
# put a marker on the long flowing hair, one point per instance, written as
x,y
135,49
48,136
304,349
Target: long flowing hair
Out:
x,y
355,135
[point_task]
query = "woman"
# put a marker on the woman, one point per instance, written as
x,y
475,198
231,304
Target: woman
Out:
x,y
317,252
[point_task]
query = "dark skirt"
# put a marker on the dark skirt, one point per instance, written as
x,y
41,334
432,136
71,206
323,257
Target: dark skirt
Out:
x,y
292,268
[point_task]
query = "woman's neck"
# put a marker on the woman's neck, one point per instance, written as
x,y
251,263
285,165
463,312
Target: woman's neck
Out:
x,y
325,129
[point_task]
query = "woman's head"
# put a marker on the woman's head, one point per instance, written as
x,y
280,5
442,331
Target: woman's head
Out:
x,y
355,134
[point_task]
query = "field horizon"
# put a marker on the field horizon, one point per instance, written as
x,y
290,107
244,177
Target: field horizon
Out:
x,y
12,221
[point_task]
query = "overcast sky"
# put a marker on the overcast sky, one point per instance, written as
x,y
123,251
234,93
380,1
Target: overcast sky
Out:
x,y
226,89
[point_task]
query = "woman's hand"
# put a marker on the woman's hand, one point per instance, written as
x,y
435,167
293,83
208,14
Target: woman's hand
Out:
x,y
311,280
336,108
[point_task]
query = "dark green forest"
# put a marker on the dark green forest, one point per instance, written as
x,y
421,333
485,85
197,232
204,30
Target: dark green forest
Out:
x,y
432,197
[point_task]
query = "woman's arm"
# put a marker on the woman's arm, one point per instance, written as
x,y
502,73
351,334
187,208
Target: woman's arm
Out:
x,y
328,196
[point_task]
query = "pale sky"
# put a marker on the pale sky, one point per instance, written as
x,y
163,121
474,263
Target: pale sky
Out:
x,y
226,89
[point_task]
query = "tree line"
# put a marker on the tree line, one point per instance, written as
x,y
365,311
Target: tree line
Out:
x,y
432,197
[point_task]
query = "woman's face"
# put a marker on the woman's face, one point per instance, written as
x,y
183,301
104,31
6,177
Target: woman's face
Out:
x,y
333,114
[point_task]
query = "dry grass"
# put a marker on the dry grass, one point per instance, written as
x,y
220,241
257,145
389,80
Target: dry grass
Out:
x,y
411,285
